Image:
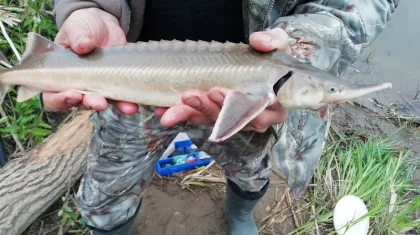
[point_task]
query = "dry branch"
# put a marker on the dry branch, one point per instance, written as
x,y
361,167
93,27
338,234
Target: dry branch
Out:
x,y
31,183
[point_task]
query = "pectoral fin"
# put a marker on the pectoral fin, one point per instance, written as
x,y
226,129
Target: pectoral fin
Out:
x,y
237,111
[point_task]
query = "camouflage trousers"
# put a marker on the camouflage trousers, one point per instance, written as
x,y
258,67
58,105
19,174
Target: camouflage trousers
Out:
x,y
124,149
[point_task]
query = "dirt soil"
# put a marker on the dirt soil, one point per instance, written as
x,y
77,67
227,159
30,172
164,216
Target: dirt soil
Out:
x,y
170,210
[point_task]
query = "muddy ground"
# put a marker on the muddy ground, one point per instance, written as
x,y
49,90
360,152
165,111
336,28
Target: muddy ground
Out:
x,y
170,210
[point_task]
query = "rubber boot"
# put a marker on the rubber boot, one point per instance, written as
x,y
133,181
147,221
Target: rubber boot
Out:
x,y
239,207
123,229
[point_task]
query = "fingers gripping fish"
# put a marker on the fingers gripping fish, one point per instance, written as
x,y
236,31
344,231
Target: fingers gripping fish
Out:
x,y
158,72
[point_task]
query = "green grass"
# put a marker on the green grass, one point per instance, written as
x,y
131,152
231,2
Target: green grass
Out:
x,y
22,125
373,170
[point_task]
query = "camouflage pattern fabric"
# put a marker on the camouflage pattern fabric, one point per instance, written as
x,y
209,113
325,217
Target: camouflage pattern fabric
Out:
x,y
329,34
125,148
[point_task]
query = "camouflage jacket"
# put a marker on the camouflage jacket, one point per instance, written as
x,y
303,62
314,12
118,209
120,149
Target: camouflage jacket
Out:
x,y
339,29
334,31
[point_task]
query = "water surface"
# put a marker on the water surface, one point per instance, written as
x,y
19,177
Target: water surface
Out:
x,y
393,57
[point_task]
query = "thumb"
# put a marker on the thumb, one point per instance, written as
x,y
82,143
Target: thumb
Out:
x,y
270,40
82,32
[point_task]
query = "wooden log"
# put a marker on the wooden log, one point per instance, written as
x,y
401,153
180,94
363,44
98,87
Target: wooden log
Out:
x,y
30,184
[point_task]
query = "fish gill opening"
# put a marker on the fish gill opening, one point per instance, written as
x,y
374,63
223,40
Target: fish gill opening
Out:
x,y
282,81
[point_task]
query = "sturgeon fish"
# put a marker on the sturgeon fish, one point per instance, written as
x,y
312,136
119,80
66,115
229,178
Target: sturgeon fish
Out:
x,y
158,72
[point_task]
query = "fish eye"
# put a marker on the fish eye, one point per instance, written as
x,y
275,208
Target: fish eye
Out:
x,y
332,89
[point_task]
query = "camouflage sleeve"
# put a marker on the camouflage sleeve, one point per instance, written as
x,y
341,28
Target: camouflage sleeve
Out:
x,y
335,32
118,8
329,36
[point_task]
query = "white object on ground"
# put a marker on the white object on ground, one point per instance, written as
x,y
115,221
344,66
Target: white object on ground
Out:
x,y
171,148
349,209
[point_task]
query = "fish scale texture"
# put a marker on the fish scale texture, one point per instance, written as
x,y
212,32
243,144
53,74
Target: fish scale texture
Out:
x,y
143,69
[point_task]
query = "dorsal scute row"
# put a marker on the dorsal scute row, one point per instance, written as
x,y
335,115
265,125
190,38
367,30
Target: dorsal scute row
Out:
x,y
181,46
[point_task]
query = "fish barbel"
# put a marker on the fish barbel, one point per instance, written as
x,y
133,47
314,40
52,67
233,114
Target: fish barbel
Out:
x,y
158,72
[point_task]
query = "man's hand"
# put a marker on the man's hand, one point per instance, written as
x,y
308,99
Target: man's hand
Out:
x,y
203,108
83,31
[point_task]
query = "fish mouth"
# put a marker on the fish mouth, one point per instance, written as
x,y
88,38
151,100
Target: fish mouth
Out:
x,y
282,81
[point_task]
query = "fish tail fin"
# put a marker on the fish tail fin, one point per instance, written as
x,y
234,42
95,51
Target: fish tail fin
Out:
x,y
3,91
3,87
36,45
